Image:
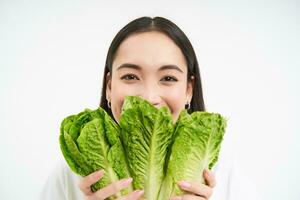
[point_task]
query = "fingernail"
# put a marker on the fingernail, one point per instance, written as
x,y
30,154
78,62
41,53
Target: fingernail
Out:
x,y
100,172
126,181
184,184
139,192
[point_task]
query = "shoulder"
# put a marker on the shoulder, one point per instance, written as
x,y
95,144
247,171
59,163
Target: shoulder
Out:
x,y
62,184
232,181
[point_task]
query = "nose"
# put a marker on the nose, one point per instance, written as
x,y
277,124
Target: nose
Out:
x,y
152,95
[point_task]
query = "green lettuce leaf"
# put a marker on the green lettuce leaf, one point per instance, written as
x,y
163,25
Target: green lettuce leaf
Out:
x,y
196,146
90,141
146,133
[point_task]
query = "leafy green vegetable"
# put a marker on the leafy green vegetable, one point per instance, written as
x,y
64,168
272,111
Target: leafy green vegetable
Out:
x,y
145,145
146,135
196,146
90,141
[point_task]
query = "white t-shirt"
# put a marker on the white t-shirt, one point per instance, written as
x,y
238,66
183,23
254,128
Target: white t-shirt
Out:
x,y
232,184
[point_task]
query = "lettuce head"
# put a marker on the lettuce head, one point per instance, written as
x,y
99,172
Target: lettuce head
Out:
x,y
146,145
90,141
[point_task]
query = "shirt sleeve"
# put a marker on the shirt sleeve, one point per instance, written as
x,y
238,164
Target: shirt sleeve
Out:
x,y
232,181
62,184
240,186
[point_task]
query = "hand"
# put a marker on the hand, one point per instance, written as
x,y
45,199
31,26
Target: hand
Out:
x,y
197,190
108,191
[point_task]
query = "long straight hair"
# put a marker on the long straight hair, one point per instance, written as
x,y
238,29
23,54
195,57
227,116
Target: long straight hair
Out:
x,y
163,25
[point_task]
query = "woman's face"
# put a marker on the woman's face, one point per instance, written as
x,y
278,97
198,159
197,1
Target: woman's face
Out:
x,y
152,66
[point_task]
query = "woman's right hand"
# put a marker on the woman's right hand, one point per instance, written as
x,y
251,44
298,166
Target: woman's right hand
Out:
x,y
108,191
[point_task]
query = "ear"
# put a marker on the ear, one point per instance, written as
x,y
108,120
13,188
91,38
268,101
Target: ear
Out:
x,y
108,86
190,88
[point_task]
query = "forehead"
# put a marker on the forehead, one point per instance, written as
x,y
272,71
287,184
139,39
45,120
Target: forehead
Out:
x,y
150,49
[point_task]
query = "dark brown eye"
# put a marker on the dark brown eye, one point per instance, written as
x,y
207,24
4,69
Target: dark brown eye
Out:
x,y
129,77
169,79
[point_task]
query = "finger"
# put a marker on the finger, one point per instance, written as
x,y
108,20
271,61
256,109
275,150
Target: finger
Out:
x,y
112,188
188,197
85,184
209,178
133,195
196,188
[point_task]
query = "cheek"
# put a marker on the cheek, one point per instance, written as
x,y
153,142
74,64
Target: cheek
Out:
x,y
118,95
176,99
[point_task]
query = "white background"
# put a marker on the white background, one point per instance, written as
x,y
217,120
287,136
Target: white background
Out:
x,y
51,61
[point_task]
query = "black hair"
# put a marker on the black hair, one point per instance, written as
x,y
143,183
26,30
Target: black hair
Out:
x,y
163,25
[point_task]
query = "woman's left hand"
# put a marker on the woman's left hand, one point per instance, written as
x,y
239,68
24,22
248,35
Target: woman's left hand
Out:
x,y
197,191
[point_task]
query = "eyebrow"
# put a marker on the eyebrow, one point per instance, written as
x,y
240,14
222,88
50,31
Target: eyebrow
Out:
x,y
137,67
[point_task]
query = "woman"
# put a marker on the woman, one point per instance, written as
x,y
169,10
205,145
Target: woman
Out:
x,y
153,59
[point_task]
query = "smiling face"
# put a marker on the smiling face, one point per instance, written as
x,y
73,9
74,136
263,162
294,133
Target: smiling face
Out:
x,y
152,66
